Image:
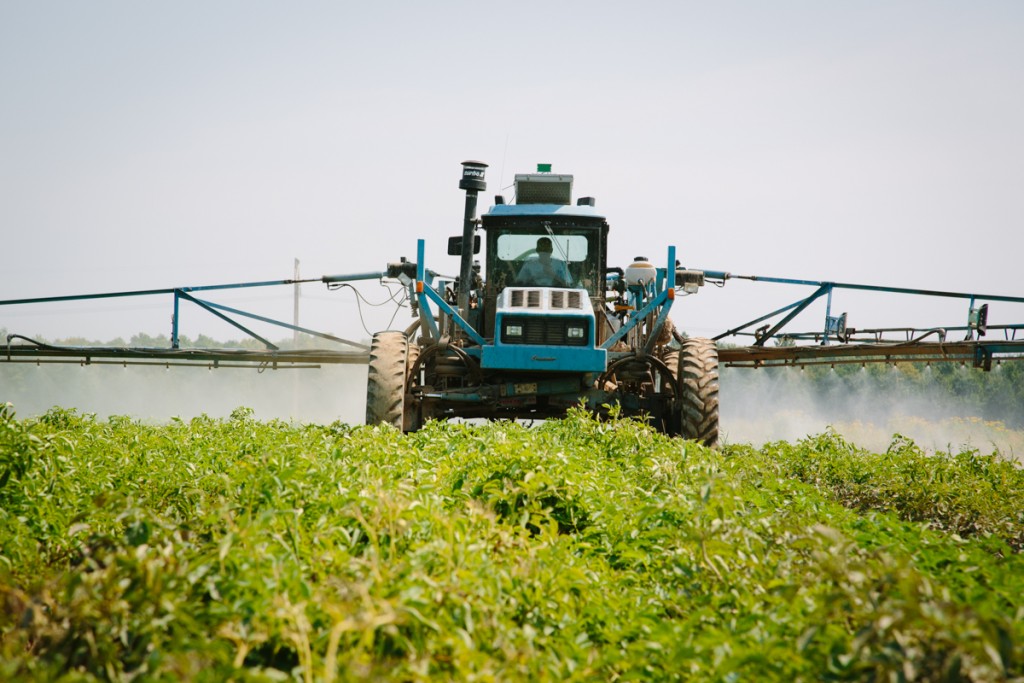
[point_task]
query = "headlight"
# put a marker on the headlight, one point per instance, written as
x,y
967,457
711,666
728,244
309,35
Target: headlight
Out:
x,y
576,332
514,330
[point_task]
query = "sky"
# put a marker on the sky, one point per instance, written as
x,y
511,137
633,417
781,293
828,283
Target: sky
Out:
x,y
154,145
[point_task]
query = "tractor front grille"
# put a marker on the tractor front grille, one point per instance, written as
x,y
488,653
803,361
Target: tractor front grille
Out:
x,y
526,298
544,330
560,299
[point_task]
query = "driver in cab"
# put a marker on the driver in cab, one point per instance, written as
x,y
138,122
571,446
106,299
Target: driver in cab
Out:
x,y
542,270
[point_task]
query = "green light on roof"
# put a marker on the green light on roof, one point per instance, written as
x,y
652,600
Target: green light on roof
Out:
x,y
543,168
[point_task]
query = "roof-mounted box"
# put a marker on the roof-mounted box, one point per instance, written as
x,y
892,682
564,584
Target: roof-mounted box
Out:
x,y
543,188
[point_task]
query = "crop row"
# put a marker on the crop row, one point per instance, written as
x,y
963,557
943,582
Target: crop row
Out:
x,y
573,550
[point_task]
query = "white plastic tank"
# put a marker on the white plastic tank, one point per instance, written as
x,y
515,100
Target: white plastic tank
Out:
x,y
640,272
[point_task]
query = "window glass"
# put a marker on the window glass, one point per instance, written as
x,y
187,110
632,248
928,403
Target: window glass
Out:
x,y
516,247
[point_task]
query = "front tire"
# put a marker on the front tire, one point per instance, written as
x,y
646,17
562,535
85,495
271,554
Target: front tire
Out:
x,y
386,379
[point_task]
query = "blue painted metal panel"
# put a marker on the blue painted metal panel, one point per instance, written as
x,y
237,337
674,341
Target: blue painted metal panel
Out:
x,y
543,210
422,282
462,397
458,319
235,323
304,330
545,358
169,290
655,331
182,293
638,317
725,275
429,293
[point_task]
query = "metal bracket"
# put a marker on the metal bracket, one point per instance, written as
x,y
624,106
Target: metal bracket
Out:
x,y
207,307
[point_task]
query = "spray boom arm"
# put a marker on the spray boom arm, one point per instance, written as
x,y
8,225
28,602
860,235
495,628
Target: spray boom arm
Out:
x,y
402,270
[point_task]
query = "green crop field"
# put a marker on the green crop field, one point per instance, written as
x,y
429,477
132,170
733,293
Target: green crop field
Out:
x,y
572,550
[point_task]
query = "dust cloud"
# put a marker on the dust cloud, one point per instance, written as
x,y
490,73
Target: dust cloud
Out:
x,y
757,406
866,408
158,393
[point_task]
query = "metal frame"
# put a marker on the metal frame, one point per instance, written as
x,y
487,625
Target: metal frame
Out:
x,y
824,288
650,303
654,297
871,345
273,356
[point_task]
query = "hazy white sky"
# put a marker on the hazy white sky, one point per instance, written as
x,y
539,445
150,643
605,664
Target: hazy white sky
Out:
x,y
150,145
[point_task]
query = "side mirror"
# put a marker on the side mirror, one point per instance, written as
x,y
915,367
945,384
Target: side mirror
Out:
x,y
455,245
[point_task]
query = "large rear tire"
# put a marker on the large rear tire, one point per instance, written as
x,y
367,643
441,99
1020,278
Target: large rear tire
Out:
x,y
386,379
697,398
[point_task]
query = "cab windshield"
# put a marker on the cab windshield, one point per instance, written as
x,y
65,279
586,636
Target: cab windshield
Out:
x,y
543,258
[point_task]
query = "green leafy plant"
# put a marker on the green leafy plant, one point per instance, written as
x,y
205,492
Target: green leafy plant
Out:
x,y
574,550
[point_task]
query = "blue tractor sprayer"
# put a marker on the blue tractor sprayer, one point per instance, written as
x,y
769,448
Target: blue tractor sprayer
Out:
x,y
544,324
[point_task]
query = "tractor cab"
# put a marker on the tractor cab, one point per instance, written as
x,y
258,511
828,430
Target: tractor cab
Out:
x,y
542,244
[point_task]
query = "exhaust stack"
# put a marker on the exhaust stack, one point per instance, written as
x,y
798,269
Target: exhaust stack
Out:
x,y
472,182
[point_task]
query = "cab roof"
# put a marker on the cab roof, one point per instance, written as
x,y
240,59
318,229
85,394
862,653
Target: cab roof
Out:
x,y
543,210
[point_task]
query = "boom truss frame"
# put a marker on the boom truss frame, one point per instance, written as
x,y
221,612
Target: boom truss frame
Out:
x,y
833,343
